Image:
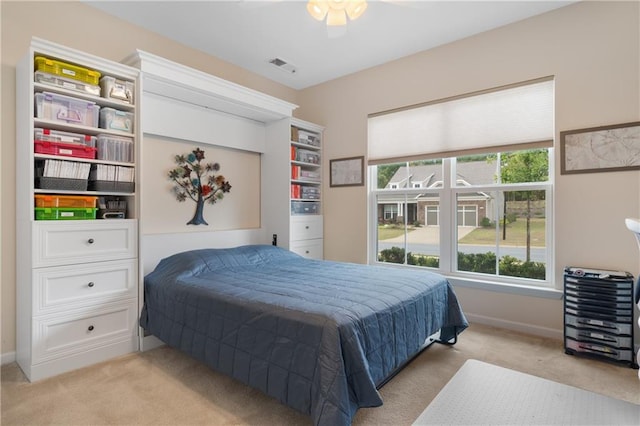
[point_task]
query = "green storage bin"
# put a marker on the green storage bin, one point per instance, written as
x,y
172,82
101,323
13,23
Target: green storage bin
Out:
x,y
65,213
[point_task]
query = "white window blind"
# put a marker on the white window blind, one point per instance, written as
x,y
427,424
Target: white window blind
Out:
x,y
521,116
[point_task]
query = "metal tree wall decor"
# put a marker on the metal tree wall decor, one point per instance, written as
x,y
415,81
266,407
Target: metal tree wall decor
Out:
x,y
198,181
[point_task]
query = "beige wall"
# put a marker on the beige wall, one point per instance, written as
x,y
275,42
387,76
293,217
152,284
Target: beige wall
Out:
x,y
240,209
84,28
591,48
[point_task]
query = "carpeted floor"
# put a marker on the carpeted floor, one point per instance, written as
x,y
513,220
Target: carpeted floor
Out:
x,y
165,387
486,394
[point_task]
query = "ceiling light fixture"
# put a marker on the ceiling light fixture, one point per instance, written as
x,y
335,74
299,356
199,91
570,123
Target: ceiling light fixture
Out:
x,y
336,11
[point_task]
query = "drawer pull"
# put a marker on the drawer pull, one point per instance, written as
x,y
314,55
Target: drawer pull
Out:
x,y
91,284
90,328
306,251
306,227
90,240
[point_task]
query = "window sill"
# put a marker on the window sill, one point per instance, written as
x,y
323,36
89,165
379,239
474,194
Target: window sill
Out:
x,y
521,290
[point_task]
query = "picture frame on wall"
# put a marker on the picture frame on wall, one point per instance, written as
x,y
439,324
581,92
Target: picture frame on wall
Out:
x,y
346,172
600,149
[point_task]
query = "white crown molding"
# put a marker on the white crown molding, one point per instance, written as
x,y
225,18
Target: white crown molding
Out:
x,y
167,78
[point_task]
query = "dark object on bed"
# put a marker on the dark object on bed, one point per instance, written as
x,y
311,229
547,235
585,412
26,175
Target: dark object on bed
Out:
x,y
319,336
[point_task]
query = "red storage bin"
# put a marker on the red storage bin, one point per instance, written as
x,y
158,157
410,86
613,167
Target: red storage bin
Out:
x,y
54,142
64,149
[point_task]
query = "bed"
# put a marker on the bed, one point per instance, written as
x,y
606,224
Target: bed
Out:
x,y
319,336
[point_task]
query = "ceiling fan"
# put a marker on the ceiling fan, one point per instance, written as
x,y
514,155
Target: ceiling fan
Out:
x,y
336,11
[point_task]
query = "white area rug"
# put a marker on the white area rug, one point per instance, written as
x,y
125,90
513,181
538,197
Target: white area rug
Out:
x,y
485,394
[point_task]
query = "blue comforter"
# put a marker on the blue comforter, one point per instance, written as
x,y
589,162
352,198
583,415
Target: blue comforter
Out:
x,y
317,335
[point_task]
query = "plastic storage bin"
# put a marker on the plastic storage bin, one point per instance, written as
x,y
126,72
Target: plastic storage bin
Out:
x,y
114,88
66,83
310,192
305,207
60,183
114,119
308,138
58,179
111,186
63,69
114,148
64,213
111,178
66,109
48,135
73,201
305,137
54,142
64,149
307,156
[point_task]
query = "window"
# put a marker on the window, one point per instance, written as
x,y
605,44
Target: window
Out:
x,y
390,211
431,215
483,213
467,214
499,228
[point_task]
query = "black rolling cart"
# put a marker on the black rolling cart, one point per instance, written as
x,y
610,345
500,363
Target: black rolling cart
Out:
x,y
598,314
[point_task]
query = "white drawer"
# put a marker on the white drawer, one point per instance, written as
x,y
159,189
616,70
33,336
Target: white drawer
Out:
x,y
66,334
305,228
311,249
75,286
83,241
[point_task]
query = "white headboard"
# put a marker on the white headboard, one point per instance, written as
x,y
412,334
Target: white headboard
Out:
x,y
154,248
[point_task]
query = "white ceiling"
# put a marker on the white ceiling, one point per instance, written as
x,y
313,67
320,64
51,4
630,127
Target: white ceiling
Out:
x,y
249,33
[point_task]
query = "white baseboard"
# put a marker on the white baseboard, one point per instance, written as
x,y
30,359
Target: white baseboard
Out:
x,y
8,358
516,326
150,342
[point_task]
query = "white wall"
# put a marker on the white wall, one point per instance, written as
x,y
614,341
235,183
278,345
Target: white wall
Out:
x,y
592,49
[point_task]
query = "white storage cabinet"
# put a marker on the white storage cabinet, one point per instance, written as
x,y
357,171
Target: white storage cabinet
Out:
x,y
77,280
293,213
306,223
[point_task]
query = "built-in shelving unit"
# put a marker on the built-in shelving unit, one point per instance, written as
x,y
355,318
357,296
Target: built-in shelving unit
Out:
x,y
293,217
306,227
76,208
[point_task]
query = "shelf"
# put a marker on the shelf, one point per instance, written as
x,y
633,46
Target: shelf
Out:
x,y
305,146
306,182
123,106
303,164
86,130
90,193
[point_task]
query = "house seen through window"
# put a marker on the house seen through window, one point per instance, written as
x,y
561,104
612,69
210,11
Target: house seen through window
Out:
x,y
482,211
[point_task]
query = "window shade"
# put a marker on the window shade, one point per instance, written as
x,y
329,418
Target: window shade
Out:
x,y
516,117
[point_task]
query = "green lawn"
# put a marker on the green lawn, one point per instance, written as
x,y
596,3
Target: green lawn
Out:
x,y
516,234
391,231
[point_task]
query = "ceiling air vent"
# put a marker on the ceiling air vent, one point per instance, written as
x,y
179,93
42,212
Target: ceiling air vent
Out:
x,y
283,65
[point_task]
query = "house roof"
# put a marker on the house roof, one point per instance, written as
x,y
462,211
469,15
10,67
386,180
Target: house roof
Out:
x,y
472,172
